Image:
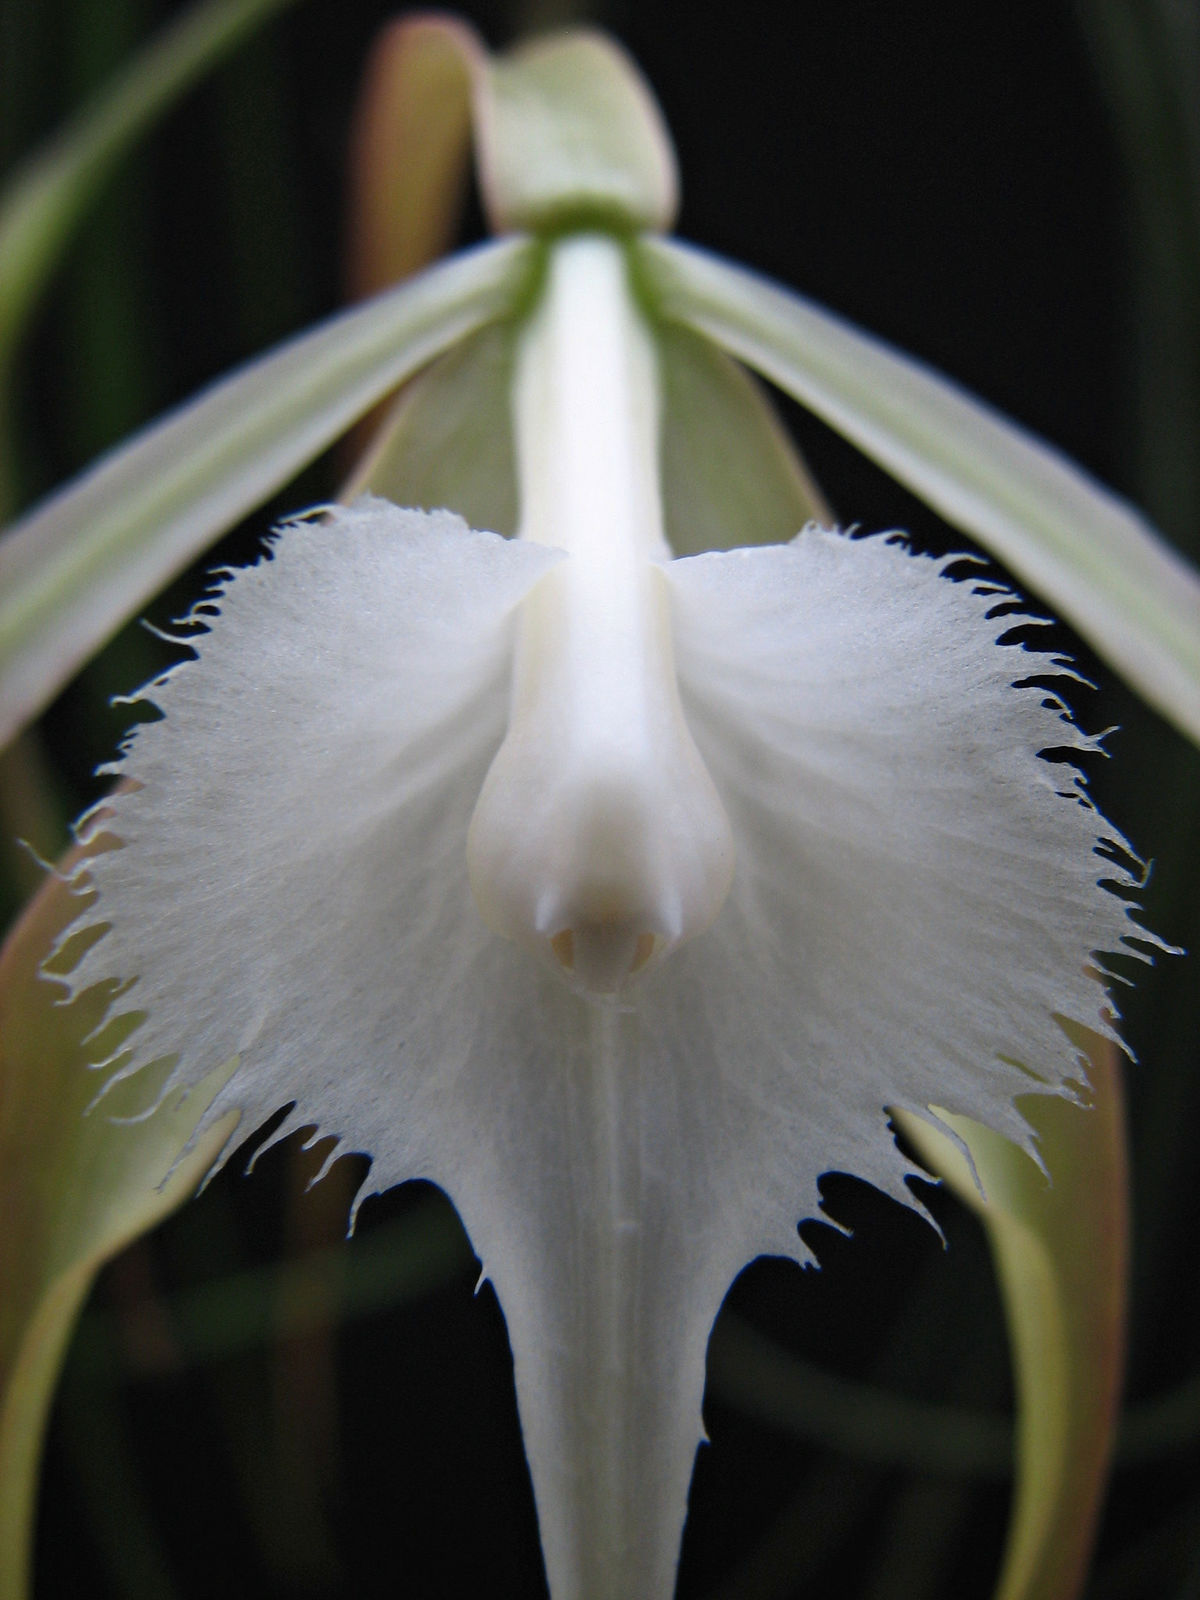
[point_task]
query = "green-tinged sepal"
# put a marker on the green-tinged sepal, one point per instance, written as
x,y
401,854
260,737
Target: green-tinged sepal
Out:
x,y
1059,1239
76,1185
84,561
731,474
565,129
569,134
1091,557
447,441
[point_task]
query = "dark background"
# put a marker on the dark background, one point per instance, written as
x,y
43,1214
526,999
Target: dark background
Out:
x,y
1007,190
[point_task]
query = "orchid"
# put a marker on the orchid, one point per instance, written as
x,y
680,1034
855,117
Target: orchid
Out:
x,y
626,875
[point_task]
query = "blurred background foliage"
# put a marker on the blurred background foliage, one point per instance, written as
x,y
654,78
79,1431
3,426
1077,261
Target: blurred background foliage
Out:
x,y
1010,190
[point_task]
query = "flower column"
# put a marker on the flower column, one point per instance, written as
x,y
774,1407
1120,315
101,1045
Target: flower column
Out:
x,y
599,842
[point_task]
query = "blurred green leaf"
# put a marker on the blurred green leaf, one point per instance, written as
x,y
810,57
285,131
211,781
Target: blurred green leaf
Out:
x,y
402,1261
761,1379
45,198
1147,58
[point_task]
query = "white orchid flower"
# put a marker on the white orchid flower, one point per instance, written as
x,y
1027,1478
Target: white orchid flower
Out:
x,y
621,894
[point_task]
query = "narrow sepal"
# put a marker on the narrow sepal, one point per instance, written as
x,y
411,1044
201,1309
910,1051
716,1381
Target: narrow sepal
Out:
x,y
1089,555
76,1186
731,475
86,559
447,442
1059,1232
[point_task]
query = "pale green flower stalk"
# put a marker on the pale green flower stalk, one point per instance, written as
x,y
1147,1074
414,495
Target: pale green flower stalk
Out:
x,y
621,892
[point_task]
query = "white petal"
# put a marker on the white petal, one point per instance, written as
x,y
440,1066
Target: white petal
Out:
x,y
915,898
292,886
918,893
292,883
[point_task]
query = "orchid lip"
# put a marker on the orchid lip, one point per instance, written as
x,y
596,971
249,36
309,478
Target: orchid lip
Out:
x,y
599,841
